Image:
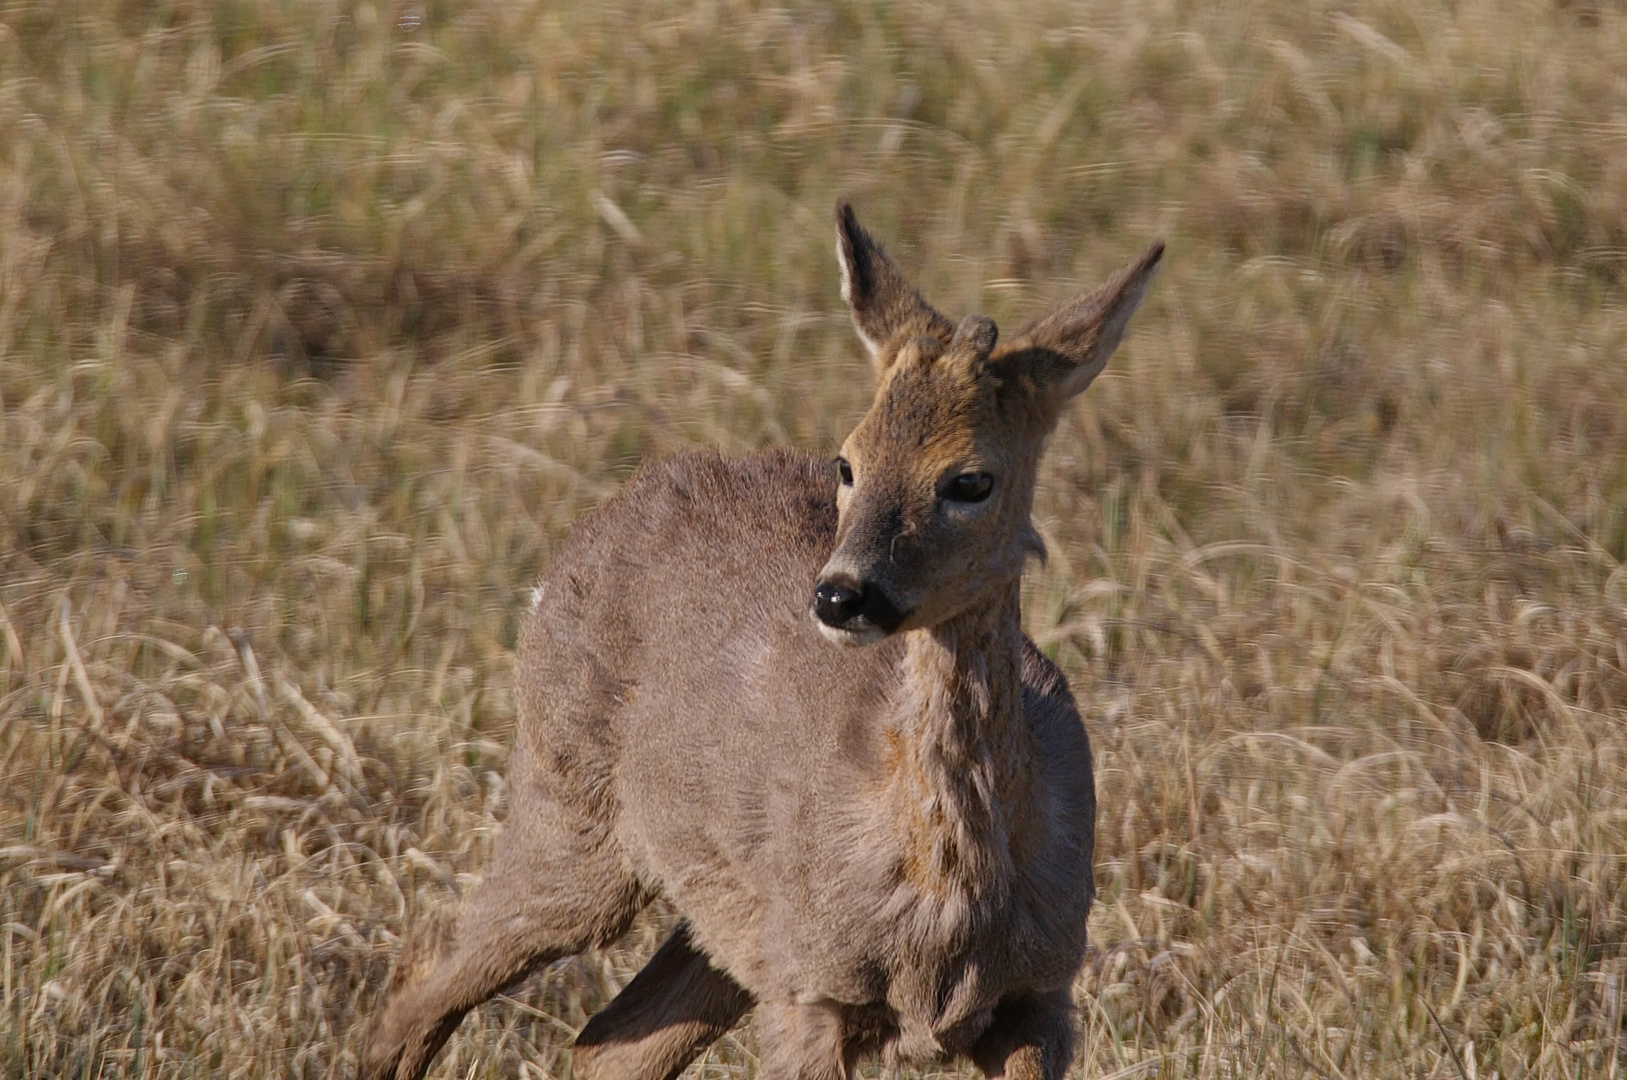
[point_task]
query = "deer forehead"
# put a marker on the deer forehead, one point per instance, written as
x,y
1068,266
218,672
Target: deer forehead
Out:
x,y
934,415
928,420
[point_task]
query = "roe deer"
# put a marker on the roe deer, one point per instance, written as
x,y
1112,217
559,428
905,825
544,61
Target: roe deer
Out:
x,y
884,848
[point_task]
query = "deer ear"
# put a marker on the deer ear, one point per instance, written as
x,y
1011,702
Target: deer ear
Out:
x,y
886,308
1067,349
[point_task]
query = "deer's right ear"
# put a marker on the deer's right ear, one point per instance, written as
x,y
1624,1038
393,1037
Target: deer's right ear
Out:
x,y
887,310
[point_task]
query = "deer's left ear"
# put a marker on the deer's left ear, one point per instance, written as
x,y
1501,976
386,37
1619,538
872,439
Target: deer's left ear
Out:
x,y
1067,349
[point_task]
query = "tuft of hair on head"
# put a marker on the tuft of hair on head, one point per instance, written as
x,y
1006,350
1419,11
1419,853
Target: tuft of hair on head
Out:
x,y
976,333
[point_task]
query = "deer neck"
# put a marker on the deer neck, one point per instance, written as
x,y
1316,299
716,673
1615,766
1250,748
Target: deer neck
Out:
x,y
962,768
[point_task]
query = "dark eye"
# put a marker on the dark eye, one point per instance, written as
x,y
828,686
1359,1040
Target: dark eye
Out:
x,y
845,470
970,487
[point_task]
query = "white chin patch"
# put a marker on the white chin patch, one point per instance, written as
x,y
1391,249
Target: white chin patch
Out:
x,y
852,638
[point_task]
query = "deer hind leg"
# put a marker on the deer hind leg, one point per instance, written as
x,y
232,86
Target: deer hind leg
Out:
x,y
1030,1038
532,907
674,1008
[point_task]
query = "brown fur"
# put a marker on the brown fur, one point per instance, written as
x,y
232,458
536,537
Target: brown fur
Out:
x,y
886,848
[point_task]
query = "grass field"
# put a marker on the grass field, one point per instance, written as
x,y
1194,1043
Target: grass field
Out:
x,y
321,322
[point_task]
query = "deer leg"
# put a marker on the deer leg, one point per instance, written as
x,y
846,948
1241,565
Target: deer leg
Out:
x,y
804,1042
532,907
1030,1038
674,1008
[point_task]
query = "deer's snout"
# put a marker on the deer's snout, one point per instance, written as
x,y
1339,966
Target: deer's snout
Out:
x,y
835,603
854,612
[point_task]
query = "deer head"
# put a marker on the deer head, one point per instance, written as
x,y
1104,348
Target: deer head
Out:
x,y
937,481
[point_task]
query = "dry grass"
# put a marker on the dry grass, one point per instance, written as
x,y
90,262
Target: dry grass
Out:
x,y
320,323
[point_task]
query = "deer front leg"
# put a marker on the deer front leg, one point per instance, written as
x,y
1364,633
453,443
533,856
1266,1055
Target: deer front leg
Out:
x,y
803,1042
1030,1038
674,1008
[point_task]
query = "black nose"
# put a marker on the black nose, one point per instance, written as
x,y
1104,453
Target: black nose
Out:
x,y
836,604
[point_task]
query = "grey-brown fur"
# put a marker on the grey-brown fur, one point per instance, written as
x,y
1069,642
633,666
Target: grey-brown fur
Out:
x,y
886,848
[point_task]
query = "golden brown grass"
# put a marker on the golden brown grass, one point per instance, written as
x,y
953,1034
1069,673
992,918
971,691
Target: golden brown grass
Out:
x,y
321,322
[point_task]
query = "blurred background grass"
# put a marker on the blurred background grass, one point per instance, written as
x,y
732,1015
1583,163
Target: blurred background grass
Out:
x,y
321,322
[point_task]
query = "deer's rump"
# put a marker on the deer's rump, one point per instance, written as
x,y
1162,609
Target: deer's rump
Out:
x,y
675,694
